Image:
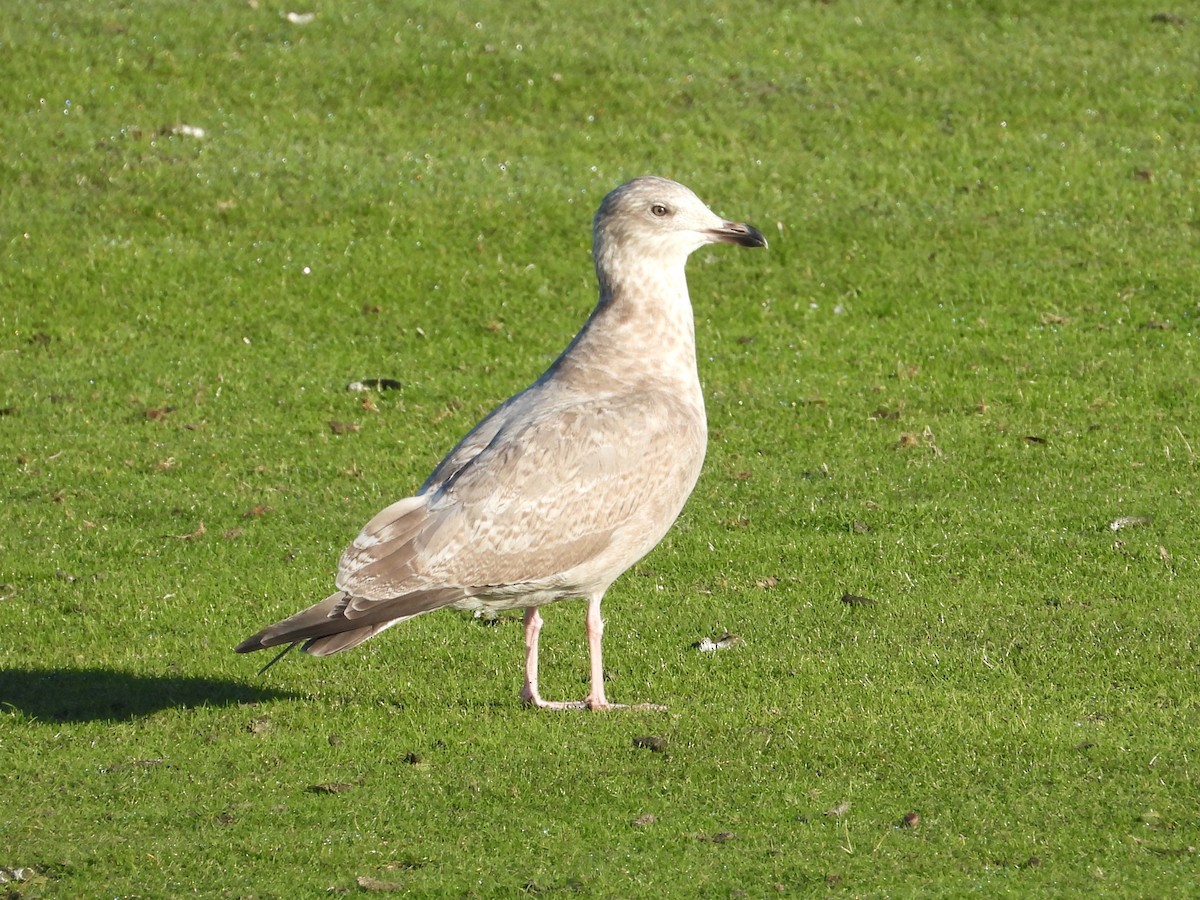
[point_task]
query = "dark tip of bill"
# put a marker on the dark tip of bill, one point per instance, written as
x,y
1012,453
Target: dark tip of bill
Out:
x,y
739,233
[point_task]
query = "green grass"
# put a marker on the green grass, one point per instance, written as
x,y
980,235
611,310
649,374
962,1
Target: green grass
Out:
x,y
973,344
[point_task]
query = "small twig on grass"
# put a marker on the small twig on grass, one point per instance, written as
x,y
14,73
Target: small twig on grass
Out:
x,y
278,656
198,533
1191,452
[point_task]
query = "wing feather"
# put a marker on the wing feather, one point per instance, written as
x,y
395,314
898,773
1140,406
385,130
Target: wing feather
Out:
x,y
542,498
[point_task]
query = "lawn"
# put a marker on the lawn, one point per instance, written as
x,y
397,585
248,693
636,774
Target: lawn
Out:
x,y
950,510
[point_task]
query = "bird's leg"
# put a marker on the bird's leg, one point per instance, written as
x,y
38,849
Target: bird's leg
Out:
x,y
595,633
529,693
533,625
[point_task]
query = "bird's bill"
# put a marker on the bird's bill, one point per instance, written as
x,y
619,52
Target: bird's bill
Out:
x,y
738,233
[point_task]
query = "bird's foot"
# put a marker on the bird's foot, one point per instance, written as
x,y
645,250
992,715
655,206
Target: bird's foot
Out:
x,y
601,702
592,703
559,704
531,697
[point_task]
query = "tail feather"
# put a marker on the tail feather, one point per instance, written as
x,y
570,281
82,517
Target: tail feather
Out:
x,y
338,622
336,643
318,620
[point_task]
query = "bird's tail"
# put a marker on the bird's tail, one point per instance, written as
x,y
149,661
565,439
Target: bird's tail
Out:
x,y
319,620
322,627
335,624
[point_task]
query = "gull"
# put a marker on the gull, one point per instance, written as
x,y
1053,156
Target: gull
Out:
x,y
566,485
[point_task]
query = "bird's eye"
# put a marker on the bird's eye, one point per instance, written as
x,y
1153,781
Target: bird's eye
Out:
x,y
659,210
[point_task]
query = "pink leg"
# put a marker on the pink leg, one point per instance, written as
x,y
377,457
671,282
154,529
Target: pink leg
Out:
x,y
595,633
533,626
529,693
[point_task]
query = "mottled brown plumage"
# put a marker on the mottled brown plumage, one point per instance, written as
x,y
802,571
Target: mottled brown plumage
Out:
x,y
565,485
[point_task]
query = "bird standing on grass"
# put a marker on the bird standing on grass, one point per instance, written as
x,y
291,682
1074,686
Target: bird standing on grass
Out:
x,y
566,485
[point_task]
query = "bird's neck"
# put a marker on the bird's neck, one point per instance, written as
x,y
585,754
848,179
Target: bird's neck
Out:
x,y
641,328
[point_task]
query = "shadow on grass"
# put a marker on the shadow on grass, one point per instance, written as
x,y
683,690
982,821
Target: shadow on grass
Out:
x,y
95,695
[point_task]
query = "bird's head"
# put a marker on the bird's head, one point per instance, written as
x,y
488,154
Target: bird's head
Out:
x,y
657,217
